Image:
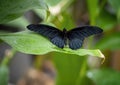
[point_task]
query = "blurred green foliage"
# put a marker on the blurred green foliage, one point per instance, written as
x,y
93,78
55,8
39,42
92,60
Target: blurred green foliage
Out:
x,y
104,76
13,9
69,68
71,65
115,5
110,42
4,73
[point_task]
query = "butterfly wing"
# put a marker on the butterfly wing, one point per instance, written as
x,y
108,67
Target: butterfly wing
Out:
x,y
77,35
50,32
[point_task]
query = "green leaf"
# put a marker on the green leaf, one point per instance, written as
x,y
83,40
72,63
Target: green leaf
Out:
x,y
52,2
93,10
116,6
35,44
41,13
83,52
65,23
111,41
13,9
4,75
70,68
104,77
106,20
28,43
118,15
19,23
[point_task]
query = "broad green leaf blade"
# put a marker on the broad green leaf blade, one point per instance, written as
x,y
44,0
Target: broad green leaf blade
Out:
x,y
19,23
36,44
28,43
10,10
69,68
104,77
109,42
3,75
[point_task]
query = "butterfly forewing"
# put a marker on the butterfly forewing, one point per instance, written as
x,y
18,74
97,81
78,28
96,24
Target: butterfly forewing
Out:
x,y
85,31
50,32
45,30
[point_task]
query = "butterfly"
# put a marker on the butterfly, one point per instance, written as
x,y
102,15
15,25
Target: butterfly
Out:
x,y
73,38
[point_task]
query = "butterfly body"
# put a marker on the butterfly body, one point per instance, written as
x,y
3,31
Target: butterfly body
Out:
x,y
73,38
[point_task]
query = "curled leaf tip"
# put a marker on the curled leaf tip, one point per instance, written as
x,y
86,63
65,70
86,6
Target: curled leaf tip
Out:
x,y
102,56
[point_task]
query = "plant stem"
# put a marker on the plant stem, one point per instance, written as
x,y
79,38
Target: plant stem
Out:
x,y
8,56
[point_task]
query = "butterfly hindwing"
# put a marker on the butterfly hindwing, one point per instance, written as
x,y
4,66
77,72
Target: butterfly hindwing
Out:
x,y
77,35
58,41
75,43
50,32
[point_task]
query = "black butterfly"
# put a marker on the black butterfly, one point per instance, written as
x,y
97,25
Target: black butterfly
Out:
x,y
74,38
